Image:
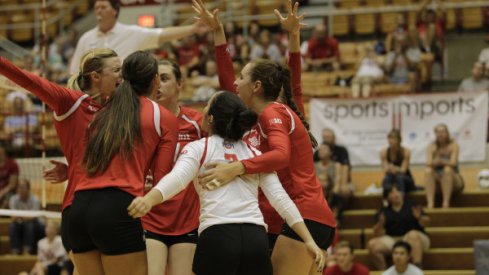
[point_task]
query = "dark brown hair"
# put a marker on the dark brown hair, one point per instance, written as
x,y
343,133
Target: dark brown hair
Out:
x,y
117,127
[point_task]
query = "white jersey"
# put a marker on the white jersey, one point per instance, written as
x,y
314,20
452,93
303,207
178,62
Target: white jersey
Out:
x,y
236,202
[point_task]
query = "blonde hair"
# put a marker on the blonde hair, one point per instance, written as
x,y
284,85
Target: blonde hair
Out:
x,y
92,61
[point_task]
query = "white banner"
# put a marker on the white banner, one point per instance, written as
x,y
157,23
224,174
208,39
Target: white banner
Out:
x,y
361,125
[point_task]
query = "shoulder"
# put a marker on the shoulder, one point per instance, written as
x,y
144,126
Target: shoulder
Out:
x,y
361,268
191,113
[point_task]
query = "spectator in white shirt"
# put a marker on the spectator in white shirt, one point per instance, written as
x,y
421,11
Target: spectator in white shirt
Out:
x,y
52,258
477,82
230,219
124,39
401,258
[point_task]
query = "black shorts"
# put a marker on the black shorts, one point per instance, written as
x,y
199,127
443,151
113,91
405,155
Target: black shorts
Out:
x,y
322,234
99,221
232,249
64,228
169,240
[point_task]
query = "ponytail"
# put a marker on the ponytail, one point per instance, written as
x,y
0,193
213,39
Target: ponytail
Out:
x,y
116,128
285,77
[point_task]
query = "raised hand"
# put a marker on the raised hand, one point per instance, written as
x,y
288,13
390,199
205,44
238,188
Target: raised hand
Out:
x,y
292,23
205,17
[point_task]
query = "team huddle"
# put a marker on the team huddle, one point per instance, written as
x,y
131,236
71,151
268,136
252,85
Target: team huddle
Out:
x,y
159,188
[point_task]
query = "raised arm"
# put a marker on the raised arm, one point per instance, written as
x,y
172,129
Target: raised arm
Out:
x,y
56,97
225,67
292,24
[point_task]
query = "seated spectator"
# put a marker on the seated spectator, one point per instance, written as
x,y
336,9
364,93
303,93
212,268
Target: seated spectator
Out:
x,y
342,188
265,48
187,53
20,125
322,51
477,82
400,30
345,264
52,258
369,72
24,231
9,175
395,163
400,257
206,85
400,220
400,62
442,168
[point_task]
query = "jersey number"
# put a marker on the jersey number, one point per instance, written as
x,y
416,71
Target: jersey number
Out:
x,y
230,157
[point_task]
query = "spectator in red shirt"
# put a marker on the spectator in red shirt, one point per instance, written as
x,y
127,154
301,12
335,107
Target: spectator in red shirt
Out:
x,y
322,50
344,262
9,175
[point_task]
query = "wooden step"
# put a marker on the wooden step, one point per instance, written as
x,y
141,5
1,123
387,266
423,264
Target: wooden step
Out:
x,y
470,198
4,245
440,237
13,265
463,216
437,272
434,259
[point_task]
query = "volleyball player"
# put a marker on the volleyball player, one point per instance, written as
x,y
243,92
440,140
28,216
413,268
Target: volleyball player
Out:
x,y
232,235
171,228
282,135
125,136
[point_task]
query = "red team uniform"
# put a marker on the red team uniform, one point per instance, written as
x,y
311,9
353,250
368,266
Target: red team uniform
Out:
x,y
180,214
286,148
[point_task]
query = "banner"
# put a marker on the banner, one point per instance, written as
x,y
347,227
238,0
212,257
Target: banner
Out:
x,y
362,125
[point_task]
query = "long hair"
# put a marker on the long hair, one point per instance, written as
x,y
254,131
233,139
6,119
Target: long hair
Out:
x,y
275,77
117,127
231,117
92,61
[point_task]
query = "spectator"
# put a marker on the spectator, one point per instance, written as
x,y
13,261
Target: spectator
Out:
x,y
369,72
24,231
395,163
52,258
20,125
206,85
322,50
399,62
442,167
265,48
187,53
400,256
344,262
400,220
477,82
343,191
111,34
400,31
9,175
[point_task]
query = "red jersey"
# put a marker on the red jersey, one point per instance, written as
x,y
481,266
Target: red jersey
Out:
x,y
180,214
73,111
284,142
9,168
325,48
159,139
357,269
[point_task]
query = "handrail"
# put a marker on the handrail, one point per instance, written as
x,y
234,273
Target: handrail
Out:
x,y
327,11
